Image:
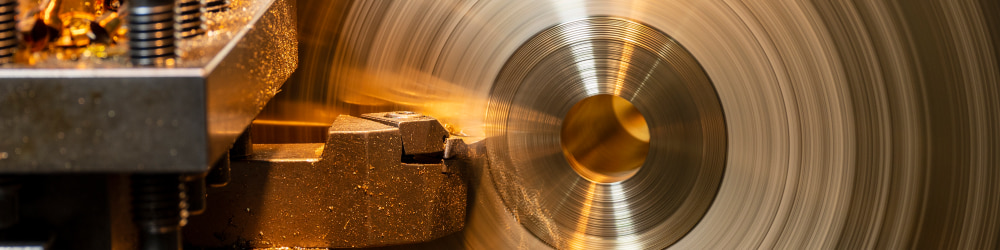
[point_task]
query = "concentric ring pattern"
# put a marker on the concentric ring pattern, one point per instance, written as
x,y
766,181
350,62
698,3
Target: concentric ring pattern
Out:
x,y
605,56
848,124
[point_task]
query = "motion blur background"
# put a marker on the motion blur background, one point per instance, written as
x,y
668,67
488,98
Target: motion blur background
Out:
x,y
848,124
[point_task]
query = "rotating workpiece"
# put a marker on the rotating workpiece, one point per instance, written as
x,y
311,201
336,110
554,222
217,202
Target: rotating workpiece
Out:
x,y
718,124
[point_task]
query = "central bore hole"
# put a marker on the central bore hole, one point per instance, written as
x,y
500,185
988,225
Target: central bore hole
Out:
x,y
605,138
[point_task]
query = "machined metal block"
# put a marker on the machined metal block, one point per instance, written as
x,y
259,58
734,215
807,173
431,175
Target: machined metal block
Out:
x,y
114,117
351,191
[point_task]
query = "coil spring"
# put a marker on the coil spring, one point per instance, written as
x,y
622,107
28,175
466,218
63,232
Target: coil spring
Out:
x,y
151,34
8,30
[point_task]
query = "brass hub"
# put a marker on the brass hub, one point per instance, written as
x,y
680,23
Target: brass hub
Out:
x,y
605,138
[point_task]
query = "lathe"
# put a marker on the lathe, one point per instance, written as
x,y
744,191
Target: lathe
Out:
x,y
493,124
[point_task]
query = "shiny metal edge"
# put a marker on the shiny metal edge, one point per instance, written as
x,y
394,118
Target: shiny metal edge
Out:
x,y
149,120
250,74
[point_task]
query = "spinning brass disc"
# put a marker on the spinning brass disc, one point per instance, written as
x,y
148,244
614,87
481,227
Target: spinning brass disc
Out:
x,y
530,108
846,124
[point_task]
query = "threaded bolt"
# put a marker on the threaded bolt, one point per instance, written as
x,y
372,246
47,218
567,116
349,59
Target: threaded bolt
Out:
x,y
151,32
159,208
8,30
217,5
190,18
